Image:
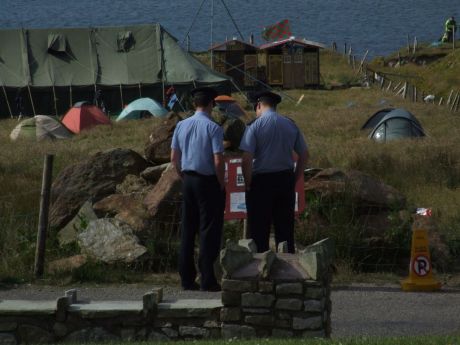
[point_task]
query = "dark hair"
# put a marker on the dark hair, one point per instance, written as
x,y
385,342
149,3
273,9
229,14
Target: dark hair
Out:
x,y
268,101
202,100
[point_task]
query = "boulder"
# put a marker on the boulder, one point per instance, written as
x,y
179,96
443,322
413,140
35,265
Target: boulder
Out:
x,y
94,179
365,191
110,240
158,148
232,257
67,264
68,234
153,174
126,208
168,185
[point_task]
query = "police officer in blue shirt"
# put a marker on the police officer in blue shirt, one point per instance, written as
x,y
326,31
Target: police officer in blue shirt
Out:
x,y
197,154
268,145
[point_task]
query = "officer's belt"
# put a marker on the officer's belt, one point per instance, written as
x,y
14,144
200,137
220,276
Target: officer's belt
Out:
x,y
194,173
274,173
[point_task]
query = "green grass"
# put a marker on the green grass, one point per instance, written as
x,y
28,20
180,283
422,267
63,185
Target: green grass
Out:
x,y
438,75
427,171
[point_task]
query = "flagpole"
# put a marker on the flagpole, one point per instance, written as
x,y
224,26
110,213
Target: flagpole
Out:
x,y
212,33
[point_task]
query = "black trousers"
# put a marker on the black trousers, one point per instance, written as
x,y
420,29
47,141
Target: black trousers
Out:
x,y
202,213
271,199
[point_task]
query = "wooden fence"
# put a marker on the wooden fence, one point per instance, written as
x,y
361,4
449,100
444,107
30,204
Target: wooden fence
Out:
x,y
393,84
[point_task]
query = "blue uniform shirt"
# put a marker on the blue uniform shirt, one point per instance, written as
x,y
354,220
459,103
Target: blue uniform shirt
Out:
x,y
271,138
198,138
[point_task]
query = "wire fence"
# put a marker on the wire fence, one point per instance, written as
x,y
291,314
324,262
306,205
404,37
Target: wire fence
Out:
x,y
356,240
398,84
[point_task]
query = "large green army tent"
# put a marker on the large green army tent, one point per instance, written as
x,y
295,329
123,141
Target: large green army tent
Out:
x,y
47,70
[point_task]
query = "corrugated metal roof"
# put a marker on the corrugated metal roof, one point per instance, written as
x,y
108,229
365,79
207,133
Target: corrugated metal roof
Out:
x,y
303,42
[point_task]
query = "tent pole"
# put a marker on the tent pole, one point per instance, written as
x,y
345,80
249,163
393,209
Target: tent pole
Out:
x,y
95,95
55,101
233,20
162,68
212,33
254,79
140,91
7,102
70,96
239,90
121,96
31,100
193,21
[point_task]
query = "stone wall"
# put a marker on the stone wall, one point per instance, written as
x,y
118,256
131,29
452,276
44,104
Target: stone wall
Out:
x,y
263,295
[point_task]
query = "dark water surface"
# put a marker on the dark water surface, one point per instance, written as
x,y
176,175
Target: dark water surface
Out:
x,y
379,25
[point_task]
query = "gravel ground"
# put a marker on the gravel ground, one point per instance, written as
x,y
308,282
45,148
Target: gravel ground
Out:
x,y
357,310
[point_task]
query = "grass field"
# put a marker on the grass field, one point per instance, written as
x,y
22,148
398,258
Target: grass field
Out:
x,y
427,171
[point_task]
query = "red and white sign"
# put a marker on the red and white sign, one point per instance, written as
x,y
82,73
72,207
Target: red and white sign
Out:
x,y
235,205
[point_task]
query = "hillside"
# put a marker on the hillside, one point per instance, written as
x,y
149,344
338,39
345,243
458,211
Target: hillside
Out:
x,y
434,70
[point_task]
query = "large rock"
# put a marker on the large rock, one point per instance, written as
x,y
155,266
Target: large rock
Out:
x,y
153,174
232,257
167,186
110,240
94,179
365,191
68,234
67,264
158,148
126,208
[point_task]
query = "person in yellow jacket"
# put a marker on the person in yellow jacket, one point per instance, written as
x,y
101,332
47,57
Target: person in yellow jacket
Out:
x,y
450,28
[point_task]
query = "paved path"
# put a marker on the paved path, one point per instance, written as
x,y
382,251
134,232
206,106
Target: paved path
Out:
x,y
358,310
387,311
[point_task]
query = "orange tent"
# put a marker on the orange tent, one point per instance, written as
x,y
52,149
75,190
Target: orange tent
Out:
x,y
84,116
224,98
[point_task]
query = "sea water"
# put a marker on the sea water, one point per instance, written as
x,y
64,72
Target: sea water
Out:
x,y
380,26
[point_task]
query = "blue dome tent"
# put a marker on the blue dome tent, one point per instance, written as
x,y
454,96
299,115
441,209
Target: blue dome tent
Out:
x,y
137,109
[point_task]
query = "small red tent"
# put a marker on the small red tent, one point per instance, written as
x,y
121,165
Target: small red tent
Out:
x,y
84,116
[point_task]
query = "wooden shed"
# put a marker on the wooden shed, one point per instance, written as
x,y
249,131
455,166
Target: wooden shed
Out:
x,y
291,63
233,57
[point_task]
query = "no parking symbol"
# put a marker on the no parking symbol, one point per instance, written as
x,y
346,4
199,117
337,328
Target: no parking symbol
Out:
x,y
421,265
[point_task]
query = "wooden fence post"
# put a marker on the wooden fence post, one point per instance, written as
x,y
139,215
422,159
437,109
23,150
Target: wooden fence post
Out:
x,y
362,61
43,216
453,38
334,46
450,97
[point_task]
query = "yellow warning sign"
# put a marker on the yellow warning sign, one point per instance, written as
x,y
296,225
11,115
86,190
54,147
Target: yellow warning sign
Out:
x,y
420,269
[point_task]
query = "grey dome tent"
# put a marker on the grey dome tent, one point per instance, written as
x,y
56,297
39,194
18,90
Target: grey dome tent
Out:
x,y
397,124
376,118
